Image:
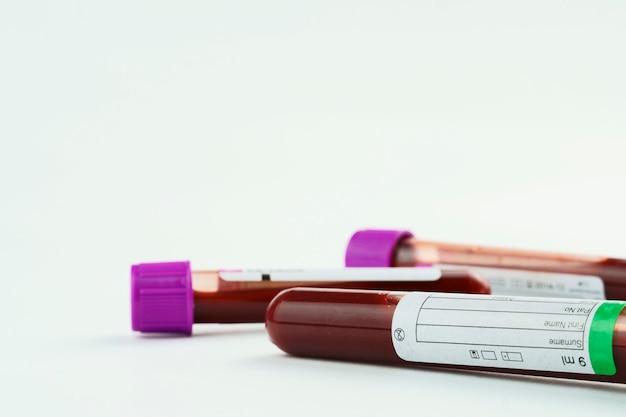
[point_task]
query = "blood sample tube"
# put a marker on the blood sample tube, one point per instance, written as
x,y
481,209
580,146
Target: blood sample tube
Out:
x,y
169,298
509,271
550,337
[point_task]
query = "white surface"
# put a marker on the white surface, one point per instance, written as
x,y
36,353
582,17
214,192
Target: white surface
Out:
x,y
262,134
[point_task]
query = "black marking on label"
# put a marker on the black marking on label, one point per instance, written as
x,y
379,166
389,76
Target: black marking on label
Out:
x,y
265,277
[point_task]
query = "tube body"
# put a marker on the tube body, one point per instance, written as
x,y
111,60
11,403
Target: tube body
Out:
x,y
356,325
612,271
219,300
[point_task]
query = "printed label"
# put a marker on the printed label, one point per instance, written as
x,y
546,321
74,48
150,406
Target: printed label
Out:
x,y
542,334
345,274
539,284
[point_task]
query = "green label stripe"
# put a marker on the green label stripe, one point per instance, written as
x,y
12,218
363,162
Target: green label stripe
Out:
x,y
601,337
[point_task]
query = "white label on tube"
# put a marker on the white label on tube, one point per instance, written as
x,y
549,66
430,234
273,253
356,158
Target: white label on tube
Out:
x,y
539,284
543,334
345,274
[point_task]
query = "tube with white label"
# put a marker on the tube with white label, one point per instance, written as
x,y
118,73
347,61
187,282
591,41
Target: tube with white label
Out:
x,y
168,297
510,271
551,337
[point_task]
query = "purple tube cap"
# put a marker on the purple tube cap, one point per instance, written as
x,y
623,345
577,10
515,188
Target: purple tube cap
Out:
x,y
162,297
374,248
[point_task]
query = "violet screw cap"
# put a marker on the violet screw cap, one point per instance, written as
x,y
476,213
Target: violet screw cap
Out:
x,y
162,297
374,248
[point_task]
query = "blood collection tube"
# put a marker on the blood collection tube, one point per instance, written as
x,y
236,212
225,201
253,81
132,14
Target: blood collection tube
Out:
x,y
509,271
550,337
169,297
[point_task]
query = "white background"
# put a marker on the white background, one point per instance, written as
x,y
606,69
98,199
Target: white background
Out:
x,y
263,134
